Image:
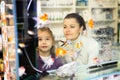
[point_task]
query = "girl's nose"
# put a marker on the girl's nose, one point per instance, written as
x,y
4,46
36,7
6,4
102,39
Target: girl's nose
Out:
x,y
43,41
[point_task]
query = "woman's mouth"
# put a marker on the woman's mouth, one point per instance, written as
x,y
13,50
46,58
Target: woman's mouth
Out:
x,y
67,34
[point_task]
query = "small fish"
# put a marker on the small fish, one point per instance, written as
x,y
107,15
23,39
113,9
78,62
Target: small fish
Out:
x,y
44,17
41,21
78,45
21,71
91,23
60,52
49,63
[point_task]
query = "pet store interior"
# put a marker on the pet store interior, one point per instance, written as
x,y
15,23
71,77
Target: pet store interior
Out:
x,y
19,41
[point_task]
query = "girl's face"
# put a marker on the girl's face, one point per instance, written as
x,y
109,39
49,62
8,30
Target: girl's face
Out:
x,y
45,41
71,29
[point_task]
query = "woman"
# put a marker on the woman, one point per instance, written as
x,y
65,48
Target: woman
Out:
x,y
80,48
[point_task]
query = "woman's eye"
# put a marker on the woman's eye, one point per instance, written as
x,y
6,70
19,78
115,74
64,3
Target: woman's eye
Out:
x,y
64,26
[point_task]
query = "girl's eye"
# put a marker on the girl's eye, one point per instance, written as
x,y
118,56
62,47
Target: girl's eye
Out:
x,y
72,26
48,39
39,39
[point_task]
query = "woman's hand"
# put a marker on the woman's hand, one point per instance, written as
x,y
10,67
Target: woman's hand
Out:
x,y
72,54
67,70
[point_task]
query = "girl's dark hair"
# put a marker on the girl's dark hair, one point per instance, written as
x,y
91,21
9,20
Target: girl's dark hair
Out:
x,y
79,19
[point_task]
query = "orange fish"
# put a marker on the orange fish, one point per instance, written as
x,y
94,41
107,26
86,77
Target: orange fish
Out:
x,y
78,45
95,60
44,17
91,23
60,52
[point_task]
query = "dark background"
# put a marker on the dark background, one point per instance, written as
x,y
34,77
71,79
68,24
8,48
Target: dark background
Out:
x,y
25,23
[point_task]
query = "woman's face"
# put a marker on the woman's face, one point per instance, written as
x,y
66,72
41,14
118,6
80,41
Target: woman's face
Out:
x,y
71,29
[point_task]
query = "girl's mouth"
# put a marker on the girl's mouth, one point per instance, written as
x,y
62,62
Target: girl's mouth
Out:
x,y
44,46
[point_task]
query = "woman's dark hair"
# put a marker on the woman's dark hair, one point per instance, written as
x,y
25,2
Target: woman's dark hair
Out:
x,y
79,19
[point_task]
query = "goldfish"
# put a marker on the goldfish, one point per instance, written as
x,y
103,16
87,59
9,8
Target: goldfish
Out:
x,y
21,71
91,23
60,52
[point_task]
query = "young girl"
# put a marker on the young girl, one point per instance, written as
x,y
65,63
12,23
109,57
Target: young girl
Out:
x,y
46,57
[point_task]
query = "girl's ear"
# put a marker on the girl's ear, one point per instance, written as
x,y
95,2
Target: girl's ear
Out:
x,y
53,43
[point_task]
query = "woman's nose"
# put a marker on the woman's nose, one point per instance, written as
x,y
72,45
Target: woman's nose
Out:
x,y
67,30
